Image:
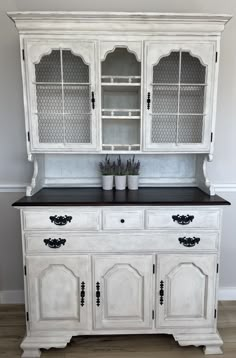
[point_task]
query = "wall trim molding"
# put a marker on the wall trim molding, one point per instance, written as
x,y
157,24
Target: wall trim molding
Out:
x,y
17,296
21,188
12,188
225,187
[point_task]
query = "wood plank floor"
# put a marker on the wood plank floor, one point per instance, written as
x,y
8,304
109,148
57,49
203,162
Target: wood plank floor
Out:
x,y
12,330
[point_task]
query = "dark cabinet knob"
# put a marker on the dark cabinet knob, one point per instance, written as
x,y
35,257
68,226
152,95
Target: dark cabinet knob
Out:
x,y
122,221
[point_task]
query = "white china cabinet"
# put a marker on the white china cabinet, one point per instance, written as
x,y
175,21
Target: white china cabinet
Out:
x,y
120,263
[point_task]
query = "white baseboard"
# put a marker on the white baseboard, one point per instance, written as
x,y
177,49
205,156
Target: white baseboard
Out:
x,y
12,297
17,297
227,294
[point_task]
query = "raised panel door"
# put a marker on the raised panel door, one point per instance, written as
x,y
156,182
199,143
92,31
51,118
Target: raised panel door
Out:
x,y
58,292
123,291
186,290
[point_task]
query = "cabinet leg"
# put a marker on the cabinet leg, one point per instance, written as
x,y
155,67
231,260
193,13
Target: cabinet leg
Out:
x,y
31,353
212,342
31,344
212,350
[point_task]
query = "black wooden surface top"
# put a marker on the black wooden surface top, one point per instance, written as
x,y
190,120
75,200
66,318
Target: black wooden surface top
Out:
x,y
161,196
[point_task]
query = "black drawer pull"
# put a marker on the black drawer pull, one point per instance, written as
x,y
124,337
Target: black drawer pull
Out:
x,y
122,221
82,294
161,292
54,243
60,220
148,100
93,100
98,294
183,219
189,241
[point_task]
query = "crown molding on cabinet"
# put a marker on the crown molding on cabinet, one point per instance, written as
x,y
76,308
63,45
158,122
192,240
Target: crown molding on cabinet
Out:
x,y
41,21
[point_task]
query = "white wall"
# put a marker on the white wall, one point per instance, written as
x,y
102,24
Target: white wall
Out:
x,y
14,169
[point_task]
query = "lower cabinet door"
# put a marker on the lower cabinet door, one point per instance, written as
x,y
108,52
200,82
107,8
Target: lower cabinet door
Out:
x,y
186,290
123,291
58,296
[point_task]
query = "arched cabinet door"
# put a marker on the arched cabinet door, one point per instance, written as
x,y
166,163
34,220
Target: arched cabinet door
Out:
x,y
123,291
186,290
179,93
58,292
62,95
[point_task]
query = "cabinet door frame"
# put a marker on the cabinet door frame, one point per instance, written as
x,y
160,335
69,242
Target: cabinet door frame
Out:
x,y
34,51
79,267
166,265
205,52
134,263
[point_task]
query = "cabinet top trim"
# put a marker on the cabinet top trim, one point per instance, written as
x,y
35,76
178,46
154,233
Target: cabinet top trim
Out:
x,y
28,21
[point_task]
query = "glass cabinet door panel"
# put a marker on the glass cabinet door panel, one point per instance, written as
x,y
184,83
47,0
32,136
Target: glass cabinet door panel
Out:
x,y
177,84
192,70
49,68
167,69
164,128
165,99
74,69
62,78
51,128
191,99
190,129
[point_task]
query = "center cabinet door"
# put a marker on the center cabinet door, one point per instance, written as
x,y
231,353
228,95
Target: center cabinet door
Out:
x,y
123,291
58,292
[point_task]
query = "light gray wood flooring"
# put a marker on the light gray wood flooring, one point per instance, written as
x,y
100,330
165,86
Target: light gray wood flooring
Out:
x,y
12,330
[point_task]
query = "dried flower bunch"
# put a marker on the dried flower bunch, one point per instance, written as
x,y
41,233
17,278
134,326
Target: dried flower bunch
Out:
x,y
107,167
120,168
132,167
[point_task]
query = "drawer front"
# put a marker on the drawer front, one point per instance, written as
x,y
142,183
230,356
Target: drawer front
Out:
x,y
62,220
134,242
182,219
123,219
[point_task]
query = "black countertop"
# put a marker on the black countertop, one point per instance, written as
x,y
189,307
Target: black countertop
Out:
x,y
161,196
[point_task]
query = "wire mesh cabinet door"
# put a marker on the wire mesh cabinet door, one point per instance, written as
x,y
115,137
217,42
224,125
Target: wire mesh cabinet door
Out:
x,y
62,92
179,96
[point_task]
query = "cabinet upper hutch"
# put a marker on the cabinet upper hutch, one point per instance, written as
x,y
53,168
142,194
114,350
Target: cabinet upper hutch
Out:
x,y
123,83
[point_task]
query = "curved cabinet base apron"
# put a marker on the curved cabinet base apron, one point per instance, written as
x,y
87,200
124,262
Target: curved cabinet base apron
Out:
x,y
211,343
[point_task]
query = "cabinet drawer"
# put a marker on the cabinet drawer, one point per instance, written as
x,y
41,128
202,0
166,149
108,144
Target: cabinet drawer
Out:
x,y
177,219
62,220
46,242
123,219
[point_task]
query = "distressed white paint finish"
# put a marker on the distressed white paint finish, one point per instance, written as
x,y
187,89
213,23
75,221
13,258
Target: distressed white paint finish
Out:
x,y
121,261
92,35
133,241
34,51
189,290
54,286
105,251
126,291
123,219
81,219
205,52
163,218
